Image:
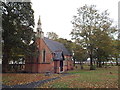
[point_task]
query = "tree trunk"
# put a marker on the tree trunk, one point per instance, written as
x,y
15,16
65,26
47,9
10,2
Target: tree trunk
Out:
x,y
94,62
97,64
5,60
99,61
74,60
103,63
91,63
116,61
81,65
100,64
5,63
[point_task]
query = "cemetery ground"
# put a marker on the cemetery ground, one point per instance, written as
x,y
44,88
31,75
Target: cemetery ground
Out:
x,y
77,78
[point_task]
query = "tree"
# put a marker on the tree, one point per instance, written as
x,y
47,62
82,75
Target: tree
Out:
x,y
103,47
52,35
17,33
67,43
80,54
116,50
86,24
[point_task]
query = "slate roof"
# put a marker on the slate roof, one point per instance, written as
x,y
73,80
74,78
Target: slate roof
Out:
x,y
56,46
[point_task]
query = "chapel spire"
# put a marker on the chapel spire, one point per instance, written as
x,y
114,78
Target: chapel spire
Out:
x,y
39,25
39,21
40,33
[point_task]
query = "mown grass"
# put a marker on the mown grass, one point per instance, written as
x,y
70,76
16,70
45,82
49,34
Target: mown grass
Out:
x,y
99,78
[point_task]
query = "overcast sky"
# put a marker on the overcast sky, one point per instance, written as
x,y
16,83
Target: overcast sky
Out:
x,y
56,15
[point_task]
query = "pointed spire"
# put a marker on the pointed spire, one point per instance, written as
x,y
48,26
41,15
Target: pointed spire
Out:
x,y
39,25
40,33
39,21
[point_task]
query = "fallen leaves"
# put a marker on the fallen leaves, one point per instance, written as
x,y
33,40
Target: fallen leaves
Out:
x,y
100,78
18,78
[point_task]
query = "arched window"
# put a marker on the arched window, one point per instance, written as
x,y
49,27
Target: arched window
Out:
x,y
44,56
37,59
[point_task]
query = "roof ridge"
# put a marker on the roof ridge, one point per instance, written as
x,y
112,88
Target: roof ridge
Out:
x,y
55,45
53,40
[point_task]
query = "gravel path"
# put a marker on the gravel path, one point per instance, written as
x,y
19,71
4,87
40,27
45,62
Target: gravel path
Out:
x,y
33,84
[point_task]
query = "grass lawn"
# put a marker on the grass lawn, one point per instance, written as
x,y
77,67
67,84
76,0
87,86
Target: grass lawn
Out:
x,y
23,78
100,78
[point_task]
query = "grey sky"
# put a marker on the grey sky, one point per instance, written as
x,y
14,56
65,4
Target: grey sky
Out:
x,y
119,15
56,15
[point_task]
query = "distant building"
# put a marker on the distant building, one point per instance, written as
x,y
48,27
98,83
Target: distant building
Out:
x,y
53,56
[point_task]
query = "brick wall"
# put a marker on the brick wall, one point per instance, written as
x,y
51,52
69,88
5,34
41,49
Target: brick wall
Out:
x,y
40,66
49,64
43,46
